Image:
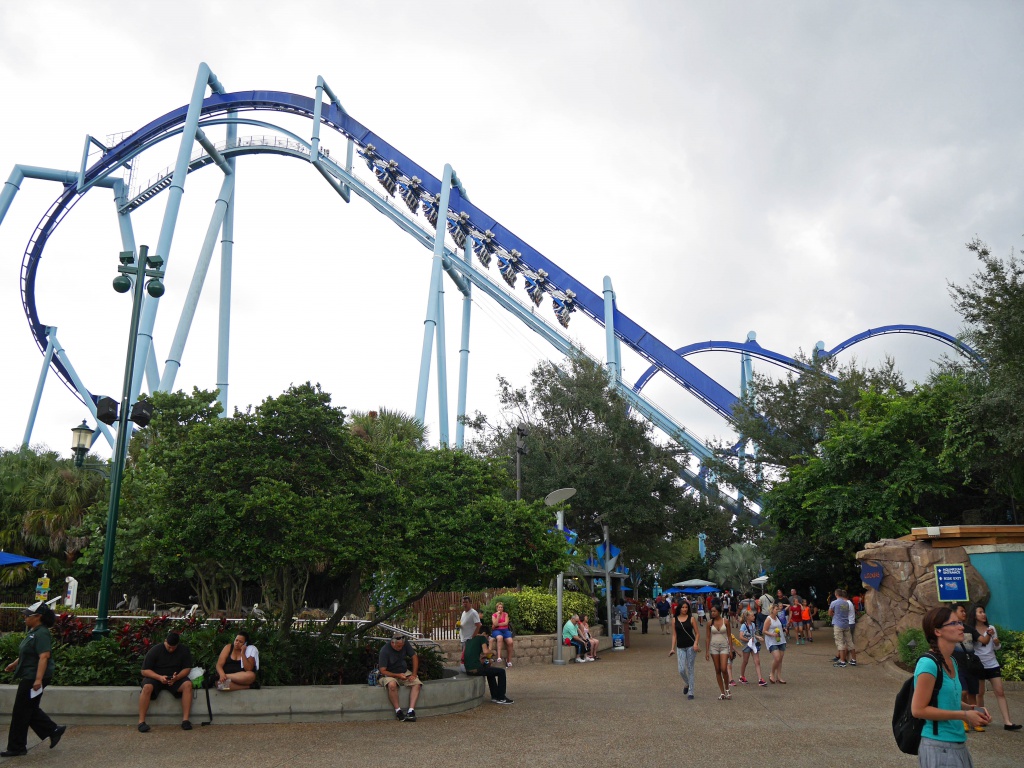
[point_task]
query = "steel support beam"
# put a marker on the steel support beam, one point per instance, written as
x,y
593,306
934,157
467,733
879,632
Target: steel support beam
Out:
x,y
204,78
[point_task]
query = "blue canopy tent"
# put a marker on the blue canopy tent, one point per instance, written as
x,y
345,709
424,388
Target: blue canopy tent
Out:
x,y
699,590
672,591
6,559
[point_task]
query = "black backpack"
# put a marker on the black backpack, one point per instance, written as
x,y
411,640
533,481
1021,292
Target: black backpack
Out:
x,y
905,727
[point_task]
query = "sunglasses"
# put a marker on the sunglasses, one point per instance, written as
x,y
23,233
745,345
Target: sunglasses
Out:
x,y
953,624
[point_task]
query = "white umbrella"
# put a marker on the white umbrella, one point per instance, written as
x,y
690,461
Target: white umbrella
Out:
x,y
694,583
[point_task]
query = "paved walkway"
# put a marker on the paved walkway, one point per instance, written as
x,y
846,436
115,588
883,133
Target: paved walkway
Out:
x,y
625,710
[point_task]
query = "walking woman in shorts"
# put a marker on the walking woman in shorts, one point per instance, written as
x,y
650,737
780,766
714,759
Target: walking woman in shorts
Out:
x,y
986,646
719,643
775,637
748,632
685,644
968,682
943,741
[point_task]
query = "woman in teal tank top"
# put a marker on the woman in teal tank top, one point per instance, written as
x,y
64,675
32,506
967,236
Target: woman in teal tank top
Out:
x,y
946,746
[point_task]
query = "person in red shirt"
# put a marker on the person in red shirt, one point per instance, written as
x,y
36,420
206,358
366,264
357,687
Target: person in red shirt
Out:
x,y
796,621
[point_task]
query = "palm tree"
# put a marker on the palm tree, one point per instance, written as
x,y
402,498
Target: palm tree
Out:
x,y
383,429
60,499
737,564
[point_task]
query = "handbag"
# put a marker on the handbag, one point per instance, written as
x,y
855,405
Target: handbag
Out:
x,y
971,661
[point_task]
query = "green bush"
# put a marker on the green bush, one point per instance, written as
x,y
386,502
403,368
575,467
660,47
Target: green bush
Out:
x,y
298,658
908,655
1011,654
101,662
534,610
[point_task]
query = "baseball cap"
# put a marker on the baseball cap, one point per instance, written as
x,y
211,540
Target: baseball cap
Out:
x,y
43,610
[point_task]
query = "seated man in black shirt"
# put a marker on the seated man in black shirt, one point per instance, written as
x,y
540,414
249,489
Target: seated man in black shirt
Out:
x,y
166,668
478,662
395,670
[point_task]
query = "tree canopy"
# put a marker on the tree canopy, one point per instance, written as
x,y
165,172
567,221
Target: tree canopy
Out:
x,y
285,491
582,435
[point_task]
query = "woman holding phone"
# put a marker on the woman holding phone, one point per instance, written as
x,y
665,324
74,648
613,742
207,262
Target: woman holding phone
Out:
x,y
237,664
985,646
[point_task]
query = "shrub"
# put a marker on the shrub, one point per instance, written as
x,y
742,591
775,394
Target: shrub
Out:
x,y
908,655
1011,654
535,610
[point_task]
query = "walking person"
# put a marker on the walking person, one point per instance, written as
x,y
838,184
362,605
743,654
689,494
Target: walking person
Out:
x,y
664,608
775,638
752,640
807,619
32,671
985,647
684,645
719,643
968,682
646,611
943,741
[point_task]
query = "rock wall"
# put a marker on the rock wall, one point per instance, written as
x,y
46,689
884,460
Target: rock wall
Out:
x,y
907,591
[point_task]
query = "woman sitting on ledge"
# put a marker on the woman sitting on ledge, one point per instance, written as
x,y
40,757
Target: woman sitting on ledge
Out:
x,y
238,664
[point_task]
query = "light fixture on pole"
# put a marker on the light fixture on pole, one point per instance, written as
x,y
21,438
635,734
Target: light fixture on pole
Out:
x,y
141,268
557,497
81,441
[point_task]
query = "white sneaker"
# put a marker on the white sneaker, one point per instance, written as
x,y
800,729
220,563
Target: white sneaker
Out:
x,y
579,660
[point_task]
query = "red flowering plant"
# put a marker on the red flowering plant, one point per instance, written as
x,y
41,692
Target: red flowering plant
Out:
x,y
71,630
135,638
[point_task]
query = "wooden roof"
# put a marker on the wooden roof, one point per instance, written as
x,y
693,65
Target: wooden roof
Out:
x,y
967,535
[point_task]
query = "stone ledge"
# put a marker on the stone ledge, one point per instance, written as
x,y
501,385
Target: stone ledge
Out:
x,y
119,705
528,649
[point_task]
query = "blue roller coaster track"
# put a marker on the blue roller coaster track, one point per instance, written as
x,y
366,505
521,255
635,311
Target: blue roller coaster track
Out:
x,y
425,198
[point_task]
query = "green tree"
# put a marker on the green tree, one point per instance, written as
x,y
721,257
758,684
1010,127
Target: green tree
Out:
x,y
581,435
788,418
285,492
986,435
736,565
878,474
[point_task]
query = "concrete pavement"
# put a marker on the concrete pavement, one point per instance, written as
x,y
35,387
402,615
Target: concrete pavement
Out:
x,y
625,710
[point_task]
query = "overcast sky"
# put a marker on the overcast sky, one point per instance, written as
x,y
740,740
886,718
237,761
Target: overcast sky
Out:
x,y
806,170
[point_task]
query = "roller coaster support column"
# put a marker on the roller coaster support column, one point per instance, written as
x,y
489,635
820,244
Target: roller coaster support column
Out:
x,y
430,322
195,289
47,357
467,307
614,371
746,375
142,267
227,246
60,354
189,135
442,363
314,145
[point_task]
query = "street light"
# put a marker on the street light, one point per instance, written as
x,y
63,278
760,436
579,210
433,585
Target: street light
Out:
x,y
141,268
81,441
557,497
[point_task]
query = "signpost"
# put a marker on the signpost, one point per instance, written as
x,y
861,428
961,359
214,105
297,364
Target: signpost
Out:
x,y
951,582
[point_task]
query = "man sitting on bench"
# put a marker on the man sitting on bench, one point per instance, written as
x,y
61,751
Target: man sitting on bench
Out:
x,y
166,668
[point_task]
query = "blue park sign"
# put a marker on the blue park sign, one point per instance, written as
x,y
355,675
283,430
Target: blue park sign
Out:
x,y
951,581
871,574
